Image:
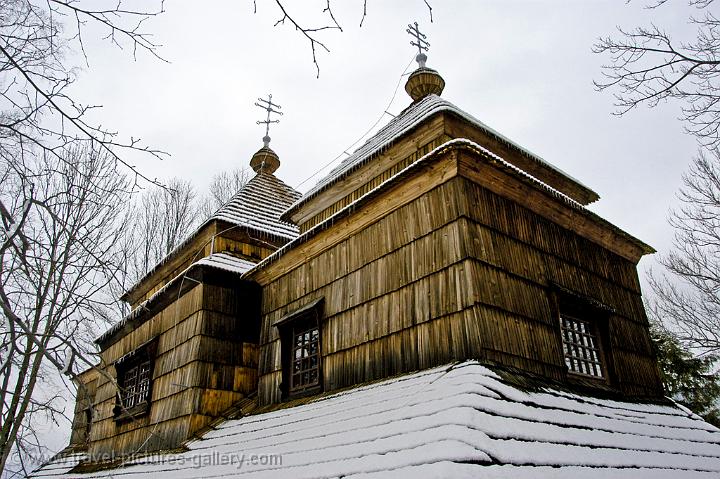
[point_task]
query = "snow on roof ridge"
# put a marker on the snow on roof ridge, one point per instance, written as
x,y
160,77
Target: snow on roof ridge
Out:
x,y
269,225
223,261
447,419
408,119
455,141
235,209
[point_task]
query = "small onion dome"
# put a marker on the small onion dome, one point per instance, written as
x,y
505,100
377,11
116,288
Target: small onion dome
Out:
x,y
265,160
423,82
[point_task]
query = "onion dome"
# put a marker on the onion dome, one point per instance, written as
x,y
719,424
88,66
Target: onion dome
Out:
x,y
265,160
424,81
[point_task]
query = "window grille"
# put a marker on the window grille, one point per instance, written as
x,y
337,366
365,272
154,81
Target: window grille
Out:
x,y
305,358
136,385
580,346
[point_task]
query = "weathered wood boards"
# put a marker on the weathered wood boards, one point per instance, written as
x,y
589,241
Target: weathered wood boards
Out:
x,y
414,144
217,236
206,361
420,258
451,264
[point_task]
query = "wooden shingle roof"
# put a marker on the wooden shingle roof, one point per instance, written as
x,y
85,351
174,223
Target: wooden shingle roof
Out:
x,y
411,117
462,420
221,261
256,206
259,204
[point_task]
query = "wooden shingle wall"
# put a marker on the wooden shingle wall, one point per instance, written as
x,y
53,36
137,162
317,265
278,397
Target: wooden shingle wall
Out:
x,y
389,165
452,271
413,145
206,360
215,237
381,165
84,405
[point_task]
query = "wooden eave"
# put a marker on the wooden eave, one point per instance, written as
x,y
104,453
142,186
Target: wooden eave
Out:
x,y
456,157
187,252
172,263
173,290
544,201
364,171
441,122
458,127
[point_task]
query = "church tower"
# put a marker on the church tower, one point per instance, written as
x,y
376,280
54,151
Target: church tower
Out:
x,y
188,350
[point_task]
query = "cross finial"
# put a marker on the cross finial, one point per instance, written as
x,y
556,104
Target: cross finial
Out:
x,y
420,42
268,105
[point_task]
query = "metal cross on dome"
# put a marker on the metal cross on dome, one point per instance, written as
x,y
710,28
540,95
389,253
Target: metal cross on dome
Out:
x,y
420,41
268,105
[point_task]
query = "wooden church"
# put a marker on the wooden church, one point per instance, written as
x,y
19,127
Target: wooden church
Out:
x,y
442,304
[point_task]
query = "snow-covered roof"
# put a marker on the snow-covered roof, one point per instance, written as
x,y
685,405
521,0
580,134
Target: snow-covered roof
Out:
x,y
225,262
258,206
461,420
397,127
222,261
408,170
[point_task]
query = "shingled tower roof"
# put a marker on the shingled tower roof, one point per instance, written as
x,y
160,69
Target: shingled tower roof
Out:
x,y
259,204
257,207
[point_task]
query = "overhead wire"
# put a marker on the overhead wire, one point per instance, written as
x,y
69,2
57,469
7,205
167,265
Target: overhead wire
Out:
x,y
175,314
364,135
369,130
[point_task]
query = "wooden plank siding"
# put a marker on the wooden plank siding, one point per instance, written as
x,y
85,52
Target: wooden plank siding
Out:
x,y
390,166
451,266
84,401
402,151
217,236
206,360
456,127
414,144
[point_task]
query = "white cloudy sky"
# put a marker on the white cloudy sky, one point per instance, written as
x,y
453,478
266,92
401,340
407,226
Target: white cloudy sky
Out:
x,y
523,67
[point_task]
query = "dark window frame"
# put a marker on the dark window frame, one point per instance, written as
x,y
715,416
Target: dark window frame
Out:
x,y
596,316
301,351
88,416
304,357
582,350
134,381
84,411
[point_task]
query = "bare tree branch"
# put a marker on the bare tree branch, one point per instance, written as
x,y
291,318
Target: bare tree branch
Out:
x,y
647,67
310,33
63,190
687,298
51,291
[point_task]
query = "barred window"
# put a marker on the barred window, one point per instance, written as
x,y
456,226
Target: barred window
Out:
x,y
134,381
135,387
305,358
300,341
580,346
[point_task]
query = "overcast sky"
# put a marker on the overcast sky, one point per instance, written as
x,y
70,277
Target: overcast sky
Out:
x,y
524,68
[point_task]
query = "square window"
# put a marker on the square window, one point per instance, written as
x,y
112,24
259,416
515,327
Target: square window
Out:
x,y
134,381
134,385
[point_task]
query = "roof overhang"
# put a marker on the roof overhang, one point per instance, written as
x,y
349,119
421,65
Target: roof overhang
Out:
x,y
403,125
611,236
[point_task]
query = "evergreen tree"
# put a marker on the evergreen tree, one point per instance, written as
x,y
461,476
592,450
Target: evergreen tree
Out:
x,y
688,379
